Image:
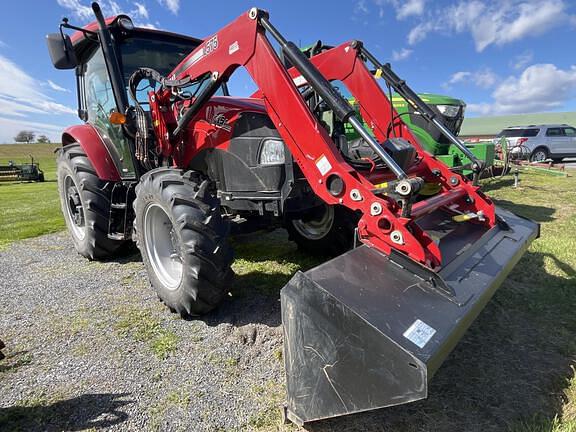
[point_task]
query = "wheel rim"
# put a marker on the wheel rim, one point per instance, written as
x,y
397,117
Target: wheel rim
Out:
x,y
539,156
162,246
317,228
74,208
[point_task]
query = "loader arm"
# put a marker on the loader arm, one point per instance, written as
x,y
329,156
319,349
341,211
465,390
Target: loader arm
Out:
x,y
388,219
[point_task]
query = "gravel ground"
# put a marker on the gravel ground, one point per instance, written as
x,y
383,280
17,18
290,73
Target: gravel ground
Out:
x,y
90,347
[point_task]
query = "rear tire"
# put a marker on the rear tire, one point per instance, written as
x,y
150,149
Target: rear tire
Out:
x,y
183,240
539,154
329,230
85,204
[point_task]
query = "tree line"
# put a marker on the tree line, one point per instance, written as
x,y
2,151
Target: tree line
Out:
x,y
28,137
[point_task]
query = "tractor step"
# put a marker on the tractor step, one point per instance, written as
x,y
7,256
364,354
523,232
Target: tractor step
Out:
x,y
121,212
117,236
364,331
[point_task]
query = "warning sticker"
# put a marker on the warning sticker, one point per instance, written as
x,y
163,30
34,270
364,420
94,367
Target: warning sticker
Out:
x,y
419,333
233,48
323,165
299,80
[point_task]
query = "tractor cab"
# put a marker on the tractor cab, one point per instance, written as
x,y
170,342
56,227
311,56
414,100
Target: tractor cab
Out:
x,y
103,73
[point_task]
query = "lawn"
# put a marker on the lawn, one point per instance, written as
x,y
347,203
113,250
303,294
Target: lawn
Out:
x,y
541,291
542,288
29,209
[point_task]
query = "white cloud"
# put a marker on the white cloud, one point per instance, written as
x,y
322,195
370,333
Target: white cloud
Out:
x,y
493,23
3,44
522,60
84,13
403,8
141,10
56,87
20,97
420,32
540,87
403,54
78,9
483,78
113,8
459,77
11,127
172,5
410,8
360,7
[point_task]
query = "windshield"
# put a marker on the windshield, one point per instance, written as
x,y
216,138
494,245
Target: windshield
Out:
x,y
155,51
159,52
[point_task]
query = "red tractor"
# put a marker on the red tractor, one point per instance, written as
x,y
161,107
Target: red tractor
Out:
x,y
167,157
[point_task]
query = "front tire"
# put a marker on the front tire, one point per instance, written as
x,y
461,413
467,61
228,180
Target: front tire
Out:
x,y
539,155
183,240
325,230
85,204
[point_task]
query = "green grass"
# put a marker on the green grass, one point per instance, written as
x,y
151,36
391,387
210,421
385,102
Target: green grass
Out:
x,y
29,209
543,285
143,326
541,289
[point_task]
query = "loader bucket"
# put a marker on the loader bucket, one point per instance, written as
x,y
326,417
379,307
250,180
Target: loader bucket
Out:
x,y
366,331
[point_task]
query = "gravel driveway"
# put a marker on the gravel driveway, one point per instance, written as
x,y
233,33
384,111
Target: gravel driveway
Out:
x,y
91,347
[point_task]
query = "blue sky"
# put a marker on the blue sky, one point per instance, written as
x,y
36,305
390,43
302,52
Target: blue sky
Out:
x,y
500,56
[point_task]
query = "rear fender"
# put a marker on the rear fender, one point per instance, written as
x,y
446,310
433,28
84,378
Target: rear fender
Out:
x,y
95,149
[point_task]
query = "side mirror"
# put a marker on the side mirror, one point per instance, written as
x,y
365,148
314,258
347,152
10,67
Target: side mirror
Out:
x,y
61,51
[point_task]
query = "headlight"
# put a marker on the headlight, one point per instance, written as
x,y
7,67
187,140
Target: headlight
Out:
x,y
272,152
449,110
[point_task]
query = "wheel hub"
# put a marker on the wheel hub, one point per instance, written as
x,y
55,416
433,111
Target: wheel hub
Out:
x,y
539,156
316,227
162,246
74,208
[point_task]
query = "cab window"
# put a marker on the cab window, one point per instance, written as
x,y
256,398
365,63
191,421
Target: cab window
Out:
x,y
100,102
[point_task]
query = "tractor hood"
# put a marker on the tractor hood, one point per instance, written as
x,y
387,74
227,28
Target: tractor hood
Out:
x,y
431,99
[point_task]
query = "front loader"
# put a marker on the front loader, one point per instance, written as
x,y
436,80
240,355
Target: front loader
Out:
x,y
449,110
167,157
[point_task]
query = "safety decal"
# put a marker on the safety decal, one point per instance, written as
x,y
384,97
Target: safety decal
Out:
x,y
233,47
323,165
299,80
419,333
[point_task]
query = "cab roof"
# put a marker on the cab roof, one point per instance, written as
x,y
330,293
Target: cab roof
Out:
x,y
79,38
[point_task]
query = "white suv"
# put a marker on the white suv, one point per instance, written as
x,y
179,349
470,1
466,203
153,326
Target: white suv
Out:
x,y
541,142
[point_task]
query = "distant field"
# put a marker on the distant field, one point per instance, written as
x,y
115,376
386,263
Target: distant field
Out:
x,y
29,209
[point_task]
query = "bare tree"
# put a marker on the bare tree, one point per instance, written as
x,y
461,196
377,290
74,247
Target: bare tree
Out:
x,y
25,137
